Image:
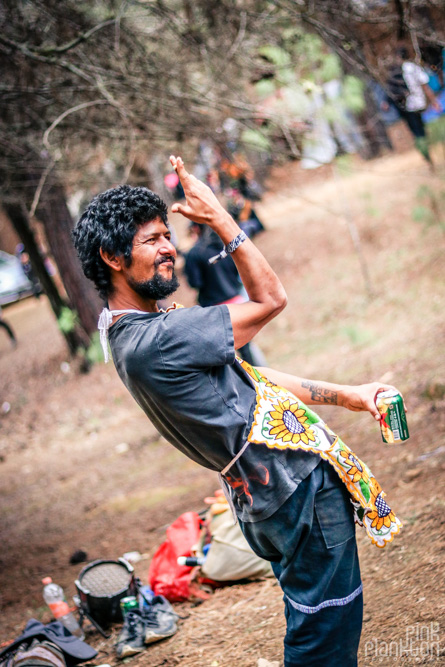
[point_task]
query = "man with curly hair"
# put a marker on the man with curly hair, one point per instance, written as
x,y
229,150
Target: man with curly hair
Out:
x,y
181,368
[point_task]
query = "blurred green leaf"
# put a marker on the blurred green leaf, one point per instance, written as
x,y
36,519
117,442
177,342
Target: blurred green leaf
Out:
x,y
94,353
330,67
353,96
255,139
68,320
275,55
344,164
265,88
436,130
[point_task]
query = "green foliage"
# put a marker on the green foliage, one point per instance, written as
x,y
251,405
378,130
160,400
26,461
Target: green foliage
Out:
x,y
436,131
353,96
281,60
94,353
310,47
332,112
330,67
255,139
344,165
277,56
68,320
429,209
265,88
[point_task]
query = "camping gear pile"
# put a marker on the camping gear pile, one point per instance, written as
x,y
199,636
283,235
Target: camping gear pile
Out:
x,y
219,545
200,553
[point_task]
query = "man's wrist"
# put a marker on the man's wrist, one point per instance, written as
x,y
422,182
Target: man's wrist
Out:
x,y
225,226
343,392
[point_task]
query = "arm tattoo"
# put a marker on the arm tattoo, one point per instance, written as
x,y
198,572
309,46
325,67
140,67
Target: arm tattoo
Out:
x,y
320,394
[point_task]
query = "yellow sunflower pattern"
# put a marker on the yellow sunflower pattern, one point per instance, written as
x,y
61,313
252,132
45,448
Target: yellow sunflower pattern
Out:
x,y
289,423
282,421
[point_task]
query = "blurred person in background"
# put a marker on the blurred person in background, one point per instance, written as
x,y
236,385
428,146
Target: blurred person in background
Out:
x,y
236,181
8,329
25,261
408,91
216,283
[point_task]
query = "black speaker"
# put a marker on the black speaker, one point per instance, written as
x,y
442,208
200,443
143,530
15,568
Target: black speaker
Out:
x,y
101,586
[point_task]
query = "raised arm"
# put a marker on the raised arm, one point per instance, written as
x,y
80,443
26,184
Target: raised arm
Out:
x,y
265,291
316,392
430,96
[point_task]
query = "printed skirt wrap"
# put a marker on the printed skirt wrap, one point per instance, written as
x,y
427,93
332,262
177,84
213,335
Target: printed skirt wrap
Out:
x,y
282,421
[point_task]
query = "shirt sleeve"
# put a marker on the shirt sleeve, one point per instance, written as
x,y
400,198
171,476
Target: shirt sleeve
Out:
x,y
420,74
191,339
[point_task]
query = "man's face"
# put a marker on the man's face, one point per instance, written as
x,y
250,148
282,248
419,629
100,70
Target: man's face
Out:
x,y
151,272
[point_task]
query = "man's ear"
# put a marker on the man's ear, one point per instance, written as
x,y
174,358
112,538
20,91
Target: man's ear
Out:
x,y
112,260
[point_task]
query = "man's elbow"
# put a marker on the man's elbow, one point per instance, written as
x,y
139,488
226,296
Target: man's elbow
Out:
x,y
280,302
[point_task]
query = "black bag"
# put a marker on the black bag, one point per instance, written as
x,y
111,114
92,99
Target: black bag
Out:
x,y
396,87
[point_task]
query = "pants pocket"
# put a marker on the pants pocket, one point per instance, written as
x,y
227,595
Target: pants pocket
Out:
x,y
334,513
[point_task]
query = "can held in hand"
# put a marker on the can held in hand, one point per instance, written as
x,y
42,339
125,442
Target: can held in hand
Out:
x,y
393,424
129,603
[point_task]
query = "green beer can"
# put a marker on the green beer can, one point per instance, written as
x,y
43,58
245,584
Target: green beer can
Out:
x,y
129,603
393,424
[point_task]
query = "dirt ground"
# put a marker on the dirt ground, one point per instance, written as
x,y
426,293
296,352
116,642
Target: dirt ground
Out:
x,y
82,468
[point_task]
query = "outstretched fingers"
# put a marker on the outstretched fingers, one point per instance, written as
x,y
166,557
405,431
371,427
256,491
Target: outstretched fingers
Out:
x,y
178,165
184,210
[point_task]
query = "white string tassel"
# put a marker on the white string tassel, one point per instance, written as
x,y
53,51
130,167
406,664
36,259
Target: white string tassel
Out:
x,y
105,320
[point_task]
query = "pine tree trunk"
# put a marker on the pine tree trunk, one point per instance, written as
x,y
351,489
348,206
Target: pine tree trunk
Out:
x,y
19,219
53,212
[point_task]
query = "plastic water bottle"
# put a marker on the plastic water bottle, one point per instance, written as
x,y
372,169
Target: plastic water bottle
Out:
x,y
191,561
145,597
55,599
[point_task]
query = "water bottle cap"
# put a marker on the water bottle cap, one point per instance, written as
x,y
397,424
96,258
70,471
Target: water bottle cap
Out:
x,y
47,580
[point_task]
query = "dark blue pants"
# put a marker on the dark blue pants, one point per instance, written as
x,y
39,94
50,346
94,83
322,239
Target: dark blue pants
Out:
x,y
414,121
311,543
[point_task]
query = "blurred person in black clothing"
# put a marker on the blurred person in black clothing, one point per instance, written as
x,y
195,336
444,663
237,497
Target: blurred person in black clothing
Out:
x,y
8,330
216,283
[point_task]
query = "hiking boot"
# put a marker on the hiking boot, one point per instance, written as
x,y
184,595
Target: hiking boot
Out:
x,y
160,619
131,639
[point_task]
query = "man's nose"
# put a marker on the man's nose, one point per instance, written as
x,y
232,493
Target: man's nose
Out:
x,y
168,248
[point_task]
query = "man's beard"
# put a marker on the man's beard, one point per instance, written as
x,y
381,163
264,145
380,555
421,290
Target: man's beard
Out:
x,y
157,288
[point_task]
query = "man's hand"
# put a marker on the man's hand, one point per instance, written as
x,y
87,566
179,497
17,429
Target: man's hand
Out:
x,y
201,204
362,397
267,297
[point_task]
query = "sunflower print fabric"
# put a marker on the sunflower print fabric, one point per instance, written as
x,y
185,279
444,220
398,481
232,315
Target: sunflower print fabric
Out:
x,y
282,421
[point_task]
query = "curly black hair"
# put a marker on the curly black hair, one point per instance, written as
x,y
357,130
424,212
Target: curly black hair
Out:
x,y
110,222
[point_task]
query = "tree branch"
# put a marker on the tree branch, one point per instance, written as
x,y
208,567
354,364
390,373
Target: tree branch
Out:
x,y
66,113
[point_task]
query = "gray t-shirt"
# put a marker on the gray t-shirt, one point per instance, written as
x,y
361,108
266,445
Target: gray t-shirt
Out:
x,y
181,369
